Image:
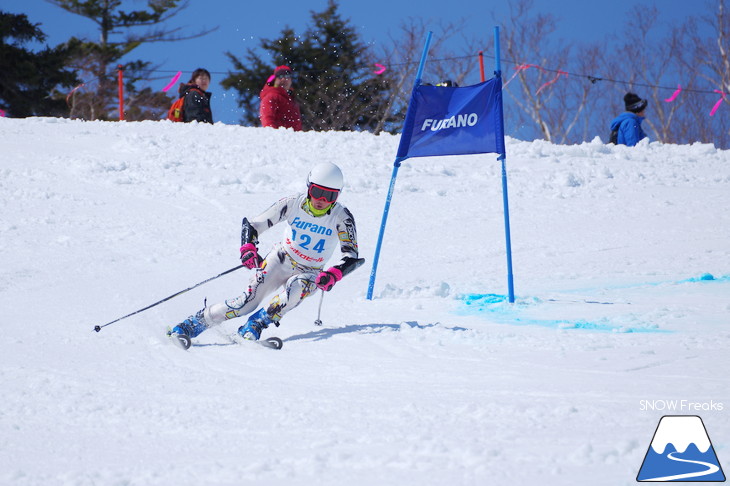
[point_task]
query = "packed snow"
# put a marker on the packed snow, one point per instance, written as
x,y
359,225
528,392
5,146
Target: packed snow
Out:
x,y
622,281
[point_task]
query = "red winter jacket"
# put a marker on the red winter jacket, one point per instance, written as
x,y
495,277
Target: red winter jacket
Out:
x,y
279,109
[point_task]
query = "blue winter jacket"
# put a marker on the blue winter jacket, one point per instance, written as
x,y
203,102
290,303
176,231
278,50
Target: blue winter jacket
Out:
x,y
629,128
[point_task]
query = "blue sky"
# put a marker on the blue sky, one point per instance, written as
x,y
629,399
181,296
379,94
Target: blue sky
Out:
x,y
242,23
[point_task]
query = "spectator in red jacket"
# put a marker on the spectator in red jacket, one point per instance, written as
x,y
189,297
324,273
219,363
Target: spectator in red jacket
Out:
x,y
278,106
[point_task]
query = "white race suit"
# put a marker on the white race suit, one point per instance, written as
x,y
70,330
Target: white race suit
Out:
x,y
292,265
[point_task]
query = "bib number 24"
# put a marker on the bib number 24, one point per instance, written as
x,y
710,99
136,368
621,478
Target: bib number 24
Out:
x,y
305,241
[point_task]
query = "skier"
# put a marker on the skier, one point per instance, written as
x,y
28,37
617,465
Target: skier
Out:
x,y
294,268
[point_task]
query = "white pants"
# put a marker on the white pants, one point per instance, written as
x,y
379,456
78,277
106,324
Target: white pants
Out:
x,y
278,272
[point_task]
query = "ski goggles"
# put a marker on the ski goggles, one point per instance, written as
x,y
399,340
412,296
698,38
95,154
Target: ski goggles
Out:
x,y
321,192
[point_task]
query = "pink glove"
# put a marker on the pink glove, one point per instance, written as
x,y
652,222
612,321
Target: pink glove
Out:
x,y
250,256
327,279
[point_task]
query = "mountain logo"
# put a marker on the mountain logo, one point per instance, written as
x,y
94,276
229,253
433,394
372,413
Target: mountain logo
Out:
x,y
680,451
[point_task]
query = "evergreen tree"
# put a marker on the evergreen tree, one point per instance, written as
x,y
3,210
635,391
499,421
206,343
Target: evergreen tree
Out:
x,y
29,81
333,75
98,61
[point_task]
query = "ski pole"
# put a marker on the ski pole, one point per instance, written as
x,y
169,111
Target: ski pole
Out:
x,y
98,328
318,322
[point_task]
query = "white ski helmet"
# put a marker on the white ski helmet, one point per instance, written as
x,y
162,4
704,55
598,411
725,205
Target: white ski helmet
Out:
x,y
327,175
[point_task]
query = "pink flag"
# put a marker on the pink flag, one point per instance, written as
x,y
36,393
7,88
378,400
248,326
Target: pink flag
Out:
x,y
545,85
520,68
172,81
675,94
380,70
72,92
717,105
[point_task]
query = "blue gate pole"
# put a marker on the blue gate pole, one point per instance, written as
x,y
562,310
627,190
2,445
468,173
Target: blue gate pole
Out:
x,y
376,257
396,165
503,157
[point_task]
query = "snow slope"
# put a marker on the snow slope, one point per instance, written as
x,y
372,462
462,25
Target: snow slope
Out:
x,y
622,276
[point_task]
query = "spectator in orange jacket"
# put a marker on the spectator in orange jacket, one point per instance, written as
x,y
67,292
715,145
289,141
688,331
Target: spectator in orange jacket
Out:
x,y
278,106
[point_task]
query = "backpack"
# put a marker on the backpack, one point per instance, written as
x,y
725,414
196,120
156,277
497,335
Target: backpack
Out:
x,y
614,137
175,113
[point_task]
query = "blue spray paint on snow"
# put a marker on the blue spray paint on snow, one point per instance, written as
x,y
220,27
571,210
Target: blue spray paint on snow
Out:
x,y
706,277
496,308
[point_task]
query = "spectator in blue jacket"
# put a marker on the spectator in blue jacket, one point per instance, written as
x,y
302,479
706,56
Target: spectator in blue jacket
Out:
x,y
626,128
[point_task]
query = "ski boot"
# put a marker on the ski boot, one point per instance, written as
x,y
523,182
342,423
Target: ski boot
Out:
x,y
189,328
256,323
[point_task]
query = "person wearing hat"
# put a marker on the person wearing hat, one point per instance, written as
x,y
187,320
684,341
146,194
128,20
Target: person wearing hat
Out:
x,y
626,128
278,107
